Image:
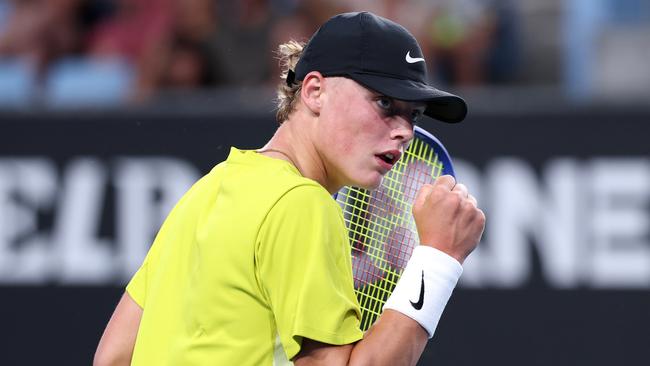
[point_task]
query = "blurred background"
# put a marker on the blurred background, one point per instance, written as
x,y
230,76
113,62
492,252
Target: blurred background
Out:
x,y
111,109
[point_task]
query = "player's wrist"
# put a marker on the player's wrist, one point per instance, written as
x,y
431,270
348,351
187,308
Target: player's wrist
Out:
x,y
425,286
458,257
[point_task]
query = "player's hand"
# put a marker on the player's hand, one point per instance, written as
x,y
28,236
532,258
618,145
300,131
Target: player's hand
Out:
x,y
447,217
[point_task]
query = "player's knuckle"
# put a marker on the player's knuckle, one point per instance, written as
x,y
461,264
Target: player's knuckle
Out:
x,y
460,187
461,195
479,217
466,205
447,180
456,198
451,179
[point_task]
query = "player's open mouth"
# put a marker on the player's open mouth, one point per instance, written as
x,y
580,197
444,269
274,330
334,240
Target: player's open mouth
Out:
x,y
389,158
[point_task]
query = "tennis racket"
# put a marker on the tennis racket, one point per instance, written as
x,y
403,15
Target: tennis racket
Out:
x,y
380,224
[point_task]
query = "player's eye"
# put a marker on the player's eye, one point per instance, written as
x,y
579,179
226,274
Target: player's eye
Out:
x,y
385,103
416,115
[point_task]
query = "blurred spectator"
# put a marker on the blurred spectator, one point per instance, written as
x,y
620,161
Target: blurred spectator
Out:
x,y
299,23
504,55
241,36
137,32
135,28
408,13
460,34
185,66
195,19
39,31
607,50
5,11
187,63
165,40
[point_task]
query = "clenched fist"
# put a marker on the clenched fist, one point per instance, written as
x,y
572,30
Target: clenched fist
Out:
x,y
447,217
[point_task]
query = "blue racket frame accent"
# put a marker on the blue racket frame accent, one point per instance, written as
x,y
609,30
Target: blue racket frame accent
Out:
x,y
439,148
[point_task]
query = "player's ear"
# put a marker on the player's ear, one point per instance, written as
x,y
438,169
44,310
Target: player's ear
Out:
x,y
312,87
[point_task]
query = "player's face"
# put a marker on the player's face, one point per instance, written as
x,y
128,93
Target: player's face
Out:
x,y
363,133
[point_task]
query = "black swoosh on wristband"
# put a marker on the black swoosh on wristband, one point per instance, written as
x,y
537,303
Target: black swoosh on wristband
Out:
x,y
418,305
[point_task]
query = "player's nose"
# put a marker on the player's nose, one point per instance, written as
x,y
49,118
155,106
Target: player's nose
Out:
x,y
402,130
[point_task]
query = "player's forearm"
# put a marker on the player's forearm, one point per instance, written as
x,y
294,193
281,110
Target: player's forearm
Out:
x,y
394,340
102,359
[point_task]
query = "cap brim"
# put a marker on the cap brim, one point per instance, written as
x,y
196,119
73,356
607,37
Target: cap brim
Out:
x,y
441,105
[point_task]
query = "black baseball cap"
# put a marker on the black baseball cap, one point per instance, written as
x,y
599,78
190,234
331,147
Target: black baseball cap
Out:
x,y
380,55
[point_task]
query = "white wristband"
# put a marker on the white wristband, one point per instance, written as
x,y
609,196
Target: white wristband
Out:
x,y
425,286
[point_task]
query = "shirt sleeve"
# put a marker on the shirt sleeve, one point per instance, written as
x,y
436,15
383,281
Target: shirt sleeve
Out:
x,y
304,269
140,282
137,287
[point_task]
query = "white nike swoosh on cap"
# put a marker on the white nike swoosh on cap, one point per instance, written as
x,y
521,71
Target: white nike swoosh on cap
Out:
x,y
412,60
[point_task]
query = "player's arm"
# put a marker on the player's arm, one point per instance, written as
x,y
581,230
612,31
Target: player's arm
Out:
x,y
116,345
447,219
394,339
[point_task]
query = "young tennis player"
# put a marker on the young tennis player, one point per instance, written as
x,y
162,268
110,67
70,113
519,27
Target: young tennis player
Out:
x,y
253,265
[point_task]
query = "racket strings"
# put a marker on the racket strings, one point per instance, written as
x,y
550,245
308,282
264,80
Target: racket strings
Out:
x,y
381,228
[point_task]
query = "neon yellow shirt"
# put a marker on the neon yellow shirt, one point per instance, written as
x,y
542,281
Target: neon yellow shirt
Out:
x,y
252,259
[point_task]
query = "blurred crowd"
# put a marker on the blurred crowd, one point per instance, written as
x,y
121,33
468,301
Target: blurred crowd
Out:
x,y
62,52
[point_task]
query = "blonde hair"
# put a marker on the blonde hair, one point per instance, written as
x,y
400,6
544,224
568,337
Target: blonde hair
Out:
x,y
287,96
